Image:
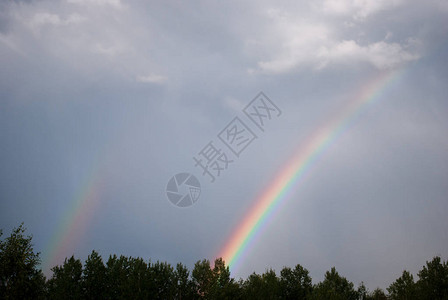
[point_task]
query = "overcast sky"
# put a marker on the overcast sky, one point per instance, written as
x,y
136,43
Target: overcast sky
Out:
x,y
106,100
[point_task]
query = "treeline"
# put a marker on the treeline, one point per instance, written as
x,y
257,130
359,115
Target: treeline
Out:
x,y
133,278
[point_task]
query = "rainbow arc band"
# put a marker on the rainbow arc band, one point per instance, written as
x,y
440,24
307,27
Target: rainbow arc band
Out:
x,y
297,167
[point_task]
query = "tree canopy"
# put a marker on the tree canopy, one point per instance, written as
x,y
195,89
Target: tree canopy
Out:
x,y
134,278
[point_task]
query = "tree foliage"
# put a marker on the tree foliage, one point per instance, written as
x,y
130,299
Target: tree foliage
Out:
x,y
296,283
335,287
67,280
19,276
134,278
433,280
403,288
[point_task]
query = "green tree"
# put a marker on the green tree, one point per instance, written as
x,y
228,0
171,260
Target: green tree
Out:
x,y
138,286
362,292
271,285
183,287
296,283
162,280
403,288
117,277
433,280
202,278
334,287
66,281
223,286
94,277
265,286
377,294
19,276
253,287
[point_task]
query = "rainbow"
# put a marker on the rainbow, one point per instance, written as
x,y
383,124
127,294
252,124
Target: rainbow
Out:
x,y
75,221
298,166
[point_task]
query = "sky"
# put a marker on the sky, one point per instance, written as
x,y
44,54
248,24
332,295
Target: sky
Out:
x,y
102,102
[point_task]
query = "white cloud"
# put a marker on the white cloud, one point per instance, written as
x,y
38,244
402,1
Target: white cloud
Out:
x,y
86,39
292,40
358,9
233,104
382,55
46,18
298,41
113,3
108,50
40,19
152,78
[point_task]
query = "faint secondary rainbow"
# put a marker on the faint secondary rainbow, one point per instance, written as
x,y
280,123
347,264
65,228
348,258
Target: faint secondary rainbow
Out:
x,y
73,225
298,166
